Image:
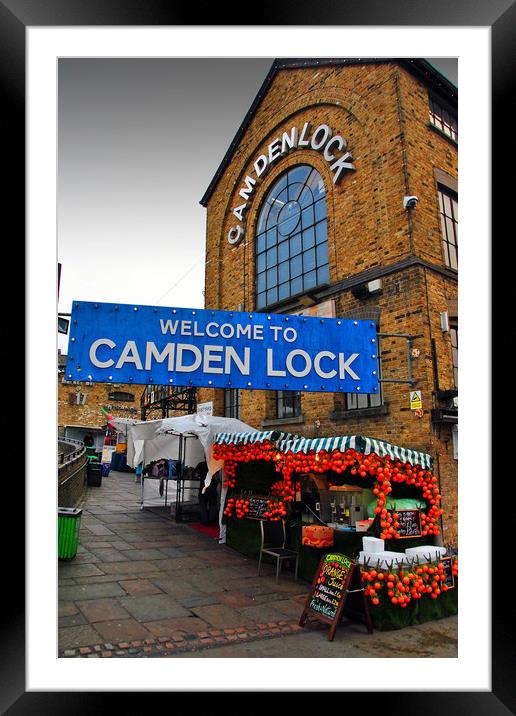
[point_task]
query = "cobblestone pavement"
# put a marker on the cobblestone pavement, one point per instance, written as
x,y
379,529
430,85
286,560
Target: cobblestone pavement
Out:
x,y
142,585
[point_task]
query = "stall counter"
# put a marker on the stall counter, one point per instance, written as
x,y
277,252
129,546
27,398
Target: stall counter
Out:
x,y
244,536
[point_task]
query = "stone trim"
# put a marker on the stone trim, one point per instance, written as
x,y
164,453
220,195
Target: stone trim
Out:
x,y
283,421
359,412
427,74
446,180
369,275
179,641
442,134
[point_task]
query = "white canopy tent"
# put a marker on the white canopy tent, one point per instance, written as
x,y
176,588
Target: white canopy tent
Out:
x,y
168,439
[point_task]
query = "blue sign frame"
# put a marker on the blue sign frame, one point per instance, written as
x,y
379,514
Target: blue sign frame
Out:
x,y
123,343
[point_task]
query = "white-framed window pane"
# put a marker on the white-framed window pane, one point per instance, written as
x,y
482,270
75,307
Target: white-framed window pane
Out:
x,y
294,214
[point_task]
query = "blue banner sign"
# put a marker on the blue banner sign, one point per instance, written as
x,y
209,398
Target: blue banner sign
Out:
x,y
119,343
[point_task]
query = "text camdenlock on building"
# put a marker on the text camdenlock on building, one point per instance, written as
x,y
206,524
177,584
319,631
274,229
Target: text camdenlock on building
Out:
x,y
120,343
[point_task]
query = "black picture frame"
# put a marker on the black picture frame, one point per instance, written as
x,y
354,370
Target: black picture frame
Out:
x,y
15,17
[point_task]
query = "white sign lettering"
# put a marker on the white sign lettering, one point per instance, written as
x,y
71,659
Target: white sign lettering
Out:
x,y
321,140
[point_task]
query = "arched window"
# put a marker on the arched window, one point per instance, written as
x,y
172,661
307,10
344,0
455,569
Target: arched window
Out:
x,y
292,237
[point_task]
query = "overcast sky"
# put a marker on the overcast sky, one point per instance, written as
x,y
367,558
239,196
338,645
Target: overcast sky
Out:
x,y
139,140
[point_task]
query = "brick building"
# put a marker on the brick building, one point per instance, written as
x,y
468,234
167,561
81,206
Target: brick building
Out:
x,y
79,404
309,212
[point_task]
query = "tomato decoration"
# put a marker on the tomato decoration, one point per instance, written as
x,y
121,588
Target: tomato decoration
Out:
x,y
404,586
386,471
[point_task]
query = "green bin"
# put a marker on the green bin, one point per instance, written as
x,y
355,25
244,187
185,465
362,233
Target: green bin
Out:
x,y
68,525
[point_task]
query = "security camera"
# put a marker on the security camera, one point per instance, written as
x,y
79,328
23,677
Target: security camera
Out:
x,y
409,202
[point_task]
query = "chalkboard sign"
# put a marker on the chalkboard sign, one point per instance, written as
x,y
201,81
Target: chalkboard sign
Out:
x,y
449,579
257,507
334,577
409,523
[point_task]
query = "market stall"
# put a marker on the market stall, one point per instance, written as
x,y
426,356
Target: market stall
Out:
x,y
169,450
115,444
202,429
334,492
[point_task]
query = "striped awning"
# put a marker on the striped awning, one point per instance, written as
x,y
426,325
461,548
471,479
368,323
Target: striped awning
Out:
x,y
342,443
250,437
395,452
286,442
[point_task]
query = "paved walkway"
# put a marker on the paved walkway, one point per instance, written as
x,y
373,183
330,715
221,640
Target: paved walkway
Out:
x,y
143,585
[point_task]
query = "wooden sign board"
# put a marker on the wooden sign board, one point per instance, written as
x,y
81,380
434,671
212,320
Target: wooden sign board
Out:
x,y
335,578
449,579
410,523
257,507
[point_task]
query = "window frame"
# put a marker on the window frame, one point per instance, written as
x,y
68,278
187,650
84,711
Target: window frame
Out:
x,y
437,109
114,395
232,406
291,263
454,341
279,404
377,396
442,192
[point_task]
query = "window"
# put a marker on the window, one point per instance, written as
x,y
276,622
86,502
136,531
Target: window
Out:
x,y
449,212
454,335
121,396
288,404
356,401
232,403
291,237
443,119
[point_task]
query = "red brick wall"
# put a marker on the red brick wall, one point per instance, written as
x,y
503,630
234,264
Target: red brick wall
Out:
x,y
382,111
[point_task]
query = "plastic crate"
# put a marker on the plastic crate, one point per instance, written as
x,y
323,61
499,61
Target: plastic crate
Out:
x,y
68,527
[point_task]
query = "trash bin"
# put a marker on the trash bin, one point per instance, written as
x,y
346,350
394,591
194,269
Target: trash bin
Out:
x,y
115,461
94,474
68,526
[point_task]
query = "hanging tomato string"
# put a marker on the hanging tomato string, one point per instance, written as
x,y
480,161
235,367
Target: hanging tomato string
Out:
x,y
385,470
403,586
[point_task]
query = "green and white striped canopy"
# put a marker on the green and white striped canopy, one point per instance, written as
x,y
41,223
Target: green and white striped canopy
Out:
x,y
286,442
395,452
299,444
250,437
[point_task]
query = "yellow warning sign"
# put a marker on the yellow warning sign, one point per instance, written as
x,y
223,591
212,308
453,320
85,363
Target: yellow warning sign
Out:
x,y
416,400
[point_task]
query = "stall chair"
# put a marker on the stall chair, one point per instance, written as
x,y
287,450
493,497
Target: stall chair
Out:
x,y
273,543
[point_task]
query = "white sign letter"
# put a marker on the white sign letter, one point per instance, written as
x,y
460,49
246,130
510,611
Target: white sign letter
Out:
x,y
182,348
289,142
209,357
340,165
344,366
320,137
270,369
239,211
290,366
93,352
317,364
249,183
130,355
335,140
152,352
244,367
260,165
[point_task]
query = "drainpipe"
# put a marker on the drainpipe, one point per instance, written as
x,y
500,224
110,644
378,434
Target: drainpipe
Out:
x,y
401,121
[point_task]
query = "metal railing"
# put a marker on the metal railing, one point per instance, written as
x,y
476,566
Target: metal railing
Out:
x,y
64,458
